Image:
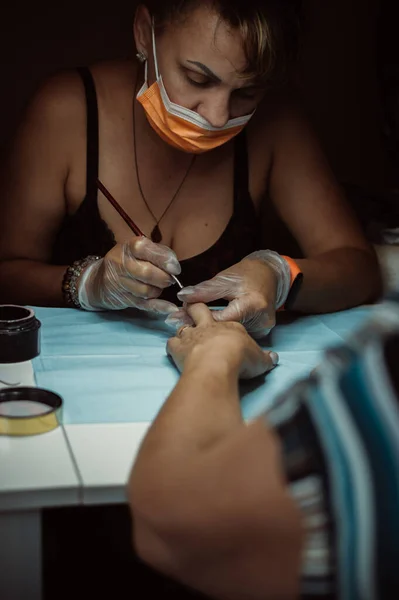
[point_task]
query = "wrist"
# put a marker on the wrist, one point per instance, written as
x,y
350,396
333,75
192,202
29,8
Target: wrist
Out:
x,y
215,358
217,377
86,285
281,270
72,279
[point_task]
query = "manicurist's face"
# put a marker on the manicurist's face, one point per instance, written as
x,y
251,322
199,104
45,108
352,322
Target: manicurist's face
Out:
x,y
201,61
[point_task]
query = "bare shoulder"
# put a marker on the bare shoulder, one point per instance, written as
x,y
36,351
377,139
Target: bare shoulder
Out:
x,y
114,81
293,128
278,116
114,73
58,101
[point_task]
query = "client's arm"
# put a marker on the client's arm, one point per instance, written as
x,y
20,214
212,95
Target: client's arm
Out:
x,y
207,492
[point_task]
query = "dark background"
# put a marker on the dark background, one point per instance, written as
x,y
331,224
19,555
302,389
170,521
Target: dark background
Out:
x,y
340,69
349,72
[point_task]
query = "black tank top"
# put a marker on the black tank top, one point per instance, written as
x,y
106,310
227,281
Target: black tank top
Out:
x,y
85,232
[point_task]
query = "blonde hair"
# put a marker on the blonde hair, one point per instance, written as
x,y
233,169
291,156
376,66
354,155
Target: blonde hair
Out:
x,y
269,30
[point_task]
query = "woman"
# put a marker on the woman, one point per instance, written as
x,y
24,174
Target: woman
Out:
x,y
301,502
177,140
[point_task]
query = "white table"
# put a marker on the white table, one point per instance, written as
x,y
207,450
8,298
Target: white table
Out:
x,y
113,374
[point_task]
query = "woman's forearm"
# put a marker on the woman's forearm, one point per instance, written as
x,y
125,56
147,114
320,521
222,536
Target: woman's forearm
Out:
x,y
29,282
338,280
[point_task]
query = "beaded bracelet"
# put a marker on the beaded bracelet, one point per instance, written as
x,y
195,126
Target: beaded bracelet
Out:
x,y
71,276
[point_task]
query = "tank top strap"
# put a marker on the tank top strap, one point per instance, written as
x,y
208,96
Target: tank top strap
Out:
x,y
92,145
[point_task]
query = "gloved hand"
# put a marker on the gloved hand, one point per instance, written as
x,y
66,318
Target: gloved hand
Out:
x,y
255,288
130,275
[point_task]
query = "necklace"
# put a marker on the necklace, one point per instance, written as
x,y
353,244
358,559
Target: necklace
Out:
x,y
156,235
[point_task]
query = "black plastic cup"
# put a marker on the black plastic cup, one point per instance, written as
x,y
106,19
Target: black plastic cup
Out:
x,y
19,334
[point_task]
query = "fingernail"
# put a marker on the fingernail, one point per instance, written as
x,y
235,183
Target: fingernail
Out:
x,y
170,318
188,291
174,323
172,266
275,358
176,315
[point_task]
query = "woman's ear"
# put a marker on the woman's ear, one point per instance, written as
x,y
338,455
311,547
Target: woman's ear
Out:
x,y
142,30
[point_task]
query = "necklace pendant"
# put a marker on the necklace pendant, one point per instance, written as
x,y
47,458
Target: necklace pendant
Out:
x,y
156,235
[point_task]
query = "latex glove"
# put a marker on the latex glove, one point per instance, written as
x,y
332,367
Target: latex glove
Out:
x,y
209,341
255,288
130,275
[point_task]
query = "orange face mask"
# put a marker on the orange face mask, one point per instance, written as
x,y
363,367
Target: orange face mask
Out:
x,y
181,127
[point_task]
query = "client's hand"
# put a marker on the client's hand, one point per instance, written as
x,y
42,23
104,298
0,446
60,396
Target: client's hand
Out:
x,y
220,342
130,275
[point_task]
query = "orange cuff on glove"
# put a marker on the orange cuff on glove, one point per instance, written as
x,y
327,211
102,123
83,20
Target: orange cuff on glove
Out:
x,y
295,271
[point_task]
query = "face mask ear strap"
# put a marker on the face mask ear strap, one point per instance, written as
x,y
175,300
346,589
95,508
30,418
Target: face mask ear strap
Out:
x,y
154,50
